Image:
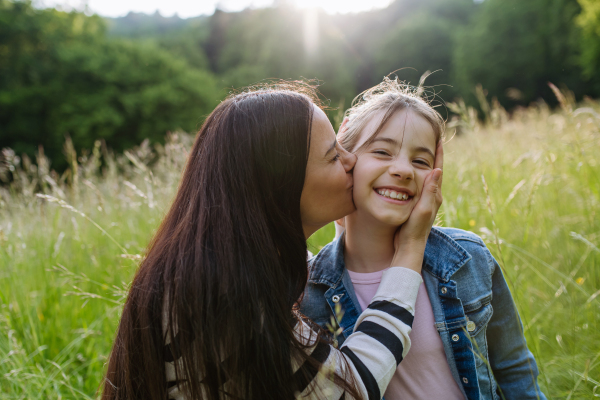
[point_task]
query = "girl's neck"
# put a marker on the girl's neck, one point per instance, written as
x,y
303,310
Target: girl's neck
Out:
x,y
369,245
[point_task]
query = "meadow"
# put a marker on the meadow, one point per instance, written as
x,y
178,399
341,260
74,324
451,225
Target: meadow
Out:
x,y
528,183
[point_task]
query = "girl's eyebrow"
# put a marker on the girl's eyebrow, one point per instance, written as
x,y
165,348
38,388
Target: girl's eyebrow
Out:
x,y
386,140
425,150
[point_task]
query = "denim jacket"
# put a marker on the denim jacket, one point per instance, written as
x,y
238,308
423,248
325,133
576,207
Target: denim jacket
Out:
x,y
473,309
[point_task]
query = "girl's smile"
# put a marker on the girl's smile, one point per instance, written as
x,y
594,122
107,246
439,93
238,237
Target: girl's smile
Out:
x,y
394,194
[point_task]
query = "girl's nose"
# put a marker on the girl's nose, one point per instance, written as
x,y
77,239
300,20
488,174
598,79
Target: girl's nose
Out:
x,y
402,169
348,160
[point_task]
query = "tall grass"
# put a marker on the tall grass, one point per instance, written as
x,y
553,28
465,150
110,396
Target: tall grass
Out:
x,y
529,184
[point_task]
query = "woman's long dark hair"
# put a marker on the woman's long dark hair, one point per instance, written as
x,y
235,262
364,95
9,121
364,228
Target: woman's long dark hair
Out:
x,y
227,265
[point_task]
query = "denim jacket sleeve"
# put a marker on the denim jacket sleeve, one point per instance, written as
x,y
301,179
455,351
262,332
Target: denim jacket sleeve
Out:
x,y
512,363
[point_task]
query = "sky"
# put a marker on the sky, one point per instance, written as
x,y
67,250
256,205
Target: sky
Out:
x,y
192,8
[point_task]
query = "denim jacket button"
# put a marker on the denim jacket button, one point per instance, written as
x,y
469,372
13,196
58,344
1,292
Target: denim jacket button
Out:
x,y
444,290
471,326
465,380
335,298
455,338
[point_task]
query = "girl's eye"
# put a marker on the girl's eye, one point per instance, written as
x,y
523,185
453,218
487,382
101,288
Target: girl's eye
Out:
x,y
337,157
422,162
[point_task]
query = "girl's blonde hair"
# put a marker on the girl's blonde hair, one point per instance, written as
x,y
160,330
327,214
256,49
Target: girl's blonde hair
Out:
x,y
390,96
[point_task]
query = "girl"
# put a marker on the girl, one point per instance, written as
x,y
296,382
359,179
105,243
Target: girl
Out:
x,y
211,312
467,336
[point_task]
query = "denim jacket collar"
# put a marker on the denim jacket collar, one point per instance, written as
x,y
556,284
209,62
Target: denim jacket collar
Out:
x,y
443,257
330,264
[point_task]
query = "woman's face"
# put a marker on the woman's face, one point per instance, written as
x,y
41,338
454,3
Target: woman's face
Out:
x,y
390,172
327,192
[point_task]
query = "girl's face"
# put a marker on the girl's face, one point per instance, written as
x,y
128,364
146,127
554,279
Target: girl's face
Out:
x,y
390,172
327,192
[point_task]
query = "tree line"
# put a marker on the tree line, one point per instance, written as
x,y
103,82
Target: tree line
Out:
x,y
126,79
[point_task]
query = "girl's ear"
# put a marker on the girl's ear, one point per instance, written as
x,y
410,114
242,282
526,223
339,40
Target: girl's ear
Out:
x,y
343,126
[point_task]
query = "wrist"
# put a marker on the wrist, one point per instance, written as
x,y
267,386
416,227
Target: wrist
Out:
x,y
410,256
410,246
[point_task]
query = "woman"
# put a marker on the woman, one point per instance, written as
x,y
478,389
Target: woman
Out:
x,y
223,274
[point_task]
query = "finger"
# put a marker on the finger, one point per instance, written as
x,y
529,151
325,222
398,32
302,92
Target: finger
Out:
x,y
439,159
438,193
439,156
439,187
430,190
436,180
432,182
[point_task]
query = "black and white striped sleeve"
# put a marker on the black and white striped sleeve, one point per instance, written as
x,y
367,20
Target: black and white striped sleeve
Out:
x,y
379,342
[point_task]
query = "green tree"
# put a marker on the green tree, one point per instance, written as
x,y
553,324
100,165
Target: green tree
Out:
x,y
60,75
125,92
423,40
519,44
589,21
253,45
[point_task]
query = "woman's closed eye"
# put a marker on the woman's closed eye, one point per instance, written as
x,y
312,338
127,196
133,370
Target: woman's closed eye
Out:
x,y
337,157
381,152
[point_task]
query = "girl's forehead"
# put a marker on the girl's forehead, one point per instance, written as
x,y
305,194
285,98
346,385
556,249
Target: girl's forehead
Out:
x,y
399,124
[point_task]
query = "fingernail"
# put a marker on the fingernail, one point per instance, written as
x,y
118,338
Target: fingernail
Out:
x,y
437,174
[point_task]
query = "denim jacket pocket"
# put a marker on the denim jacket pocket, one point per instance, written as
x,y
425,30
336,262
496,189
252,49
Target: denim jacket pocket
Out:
x,y
478,315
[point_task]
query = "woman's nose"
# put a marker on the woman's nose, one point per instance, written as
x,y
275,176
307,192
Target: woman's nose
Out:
x,y
348,160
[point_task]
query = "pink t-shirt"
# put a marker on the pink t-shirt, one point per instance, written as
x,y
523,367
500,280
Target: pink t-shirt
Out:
x,y
424,373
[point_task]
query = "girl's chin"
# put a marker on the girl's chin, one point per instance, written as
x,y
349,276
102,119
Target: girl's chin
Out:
x,y
396,224
391,221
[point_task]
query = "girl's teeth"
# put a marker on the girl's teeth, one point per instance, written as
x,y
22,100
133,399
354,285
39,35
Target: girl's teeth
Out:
x,y
393,195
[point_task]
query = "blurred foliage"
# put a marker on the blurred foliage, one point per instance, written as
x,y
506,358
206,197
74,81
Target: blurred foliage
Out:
x,y
60,75
423,39
522,45
589,21
125,79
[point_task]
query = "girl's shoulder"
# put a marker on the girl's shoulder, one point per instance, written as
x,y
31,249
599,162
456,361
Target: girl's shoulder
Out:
x,y
459,235
480,260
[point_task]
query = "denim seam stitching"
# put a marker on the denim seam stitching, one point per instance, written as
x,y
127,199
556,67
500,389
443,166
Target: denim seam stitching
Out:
x,y
478,304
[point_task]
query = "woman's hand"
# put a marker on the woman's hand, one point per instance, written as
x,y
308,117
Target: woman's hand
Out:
x,y
411,237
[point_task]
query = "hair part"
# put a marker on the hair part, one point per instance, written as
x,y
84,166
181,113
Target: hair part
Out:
x,y
390,97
